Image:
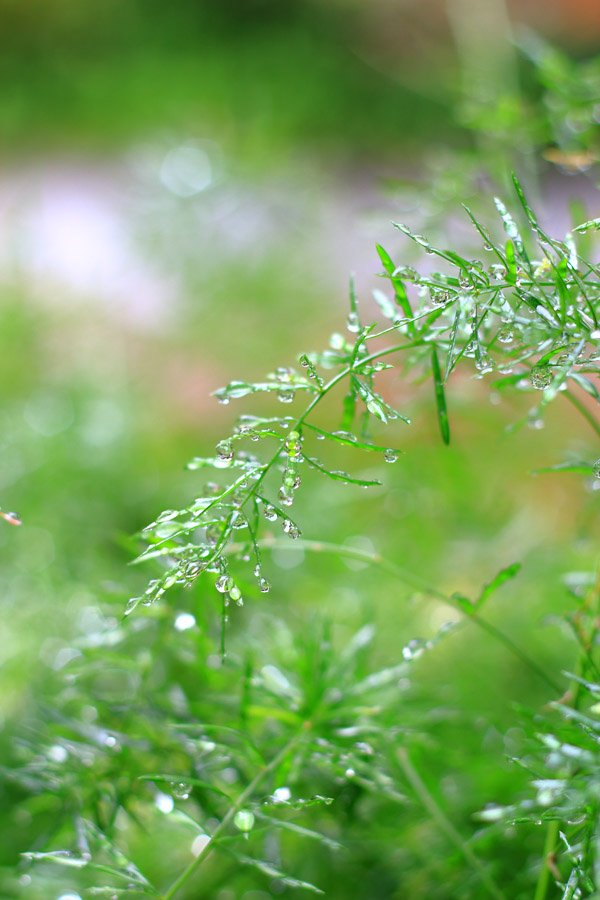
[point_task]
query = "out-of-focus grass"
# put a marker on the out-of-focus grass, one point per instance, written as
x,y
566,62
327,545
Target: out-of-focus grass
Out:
x,y
262,86
94,439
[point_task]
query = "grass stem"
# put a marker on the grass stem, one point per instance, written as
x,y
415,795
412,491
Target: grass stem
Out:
x,y
444,823
245,795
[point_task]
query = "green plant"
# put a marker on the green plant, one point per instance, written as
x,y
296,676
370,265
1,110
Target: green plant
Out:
x,y
281,738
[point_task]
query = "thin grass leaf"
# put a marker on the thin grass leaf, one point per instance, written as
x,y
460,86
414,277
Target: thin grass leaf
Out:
x,y
497,581
298,829
174,780
338,475
440,397
400,292
271,871
582,468
348,439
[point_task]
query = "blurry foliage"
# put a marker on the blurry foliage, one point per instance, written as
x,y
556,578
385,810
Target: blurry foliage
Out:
x,y
273,738
375,733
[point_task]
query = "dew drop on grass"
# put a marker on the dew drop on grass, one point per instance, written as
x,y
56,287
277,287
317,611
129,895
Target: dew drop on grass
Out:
x,y
290,529
413,649
236,595
285,498
390,456
506,335
224,454
224,583
285,396
12,518
270,513
181,790
596,469
353,323
199,843
131,605
244,820
264,586
541,377
484,364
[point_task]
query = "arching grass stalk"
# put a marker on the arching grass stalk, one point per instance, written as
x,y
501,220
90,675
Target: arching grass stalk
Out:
x,y
419,584
444,824
227,819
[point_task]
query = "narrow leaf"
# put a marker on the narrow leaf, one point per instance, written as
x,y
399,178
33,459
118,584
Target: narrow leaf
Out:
x,y
440,397
497,581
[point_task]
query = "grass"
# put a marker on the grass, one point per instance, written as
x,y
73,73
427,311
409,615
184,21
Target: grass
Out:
x,y
129,712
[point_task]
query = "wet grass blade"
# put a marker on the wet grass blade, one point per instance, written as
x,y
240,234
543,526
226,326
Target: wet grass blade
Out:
x,y
440,397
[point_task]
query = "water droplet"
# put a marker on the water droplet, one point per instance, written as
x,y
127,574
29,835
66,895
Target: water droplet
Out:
x,y
244,820
283,373
293,445
282,795
181,790
236,595
285,498
439,298
264,586
184,621
286,396
224,584
390,456
596,469
224,454
506,335
353,323
541,377
484,364
223,399
57,753
131,605
413,649
12,518
350,773
491,813
164,803
199,843
269,512
290,529
346,435
364,748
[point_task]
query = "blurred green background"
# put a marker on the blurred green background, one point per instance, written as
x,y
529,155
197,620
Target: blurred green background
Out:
x,y
184,190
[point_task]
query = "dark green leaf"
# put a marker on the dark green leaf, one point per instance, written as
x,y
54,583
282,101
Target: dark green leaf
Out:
x,y
440,397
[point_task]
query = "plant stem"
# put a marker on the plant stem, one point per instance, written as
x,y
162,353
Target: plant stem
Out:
x,y
232,811
440,818
583,410
417,583
543,882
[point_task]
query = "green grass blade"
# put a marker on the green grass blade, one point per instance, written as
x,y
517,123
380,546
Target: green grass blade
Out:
x,y
440,397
